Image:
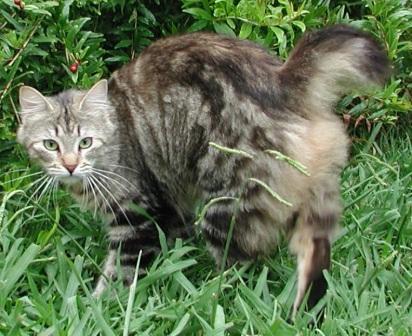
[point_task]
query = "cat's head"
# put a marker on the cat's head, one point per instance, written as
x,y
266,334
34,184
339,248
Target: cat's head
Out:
x,y
67,134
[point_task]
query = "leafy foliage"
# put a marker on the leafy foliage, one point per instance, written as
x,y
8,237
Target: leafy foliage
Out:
x,y
278,24
41,42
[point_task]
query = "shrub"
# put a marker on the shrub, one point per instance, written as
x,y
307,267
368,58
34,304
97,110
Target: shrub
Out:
x,y
54,45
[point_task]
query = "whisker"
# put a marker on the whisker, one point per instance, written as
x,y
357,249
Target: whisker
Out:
x,y
55,187
115,174
84,199
94,196
50,192
45,189
32,184
124,167
42,178
54,191
111,179
93,181
37,190
86,191
114,199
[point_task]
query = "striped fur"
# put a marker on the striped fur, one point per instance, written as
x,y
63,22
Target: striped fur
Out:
x,y
153,122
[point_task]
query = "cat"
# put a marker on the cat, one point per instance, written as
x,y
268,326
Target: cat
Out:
x,y
193,119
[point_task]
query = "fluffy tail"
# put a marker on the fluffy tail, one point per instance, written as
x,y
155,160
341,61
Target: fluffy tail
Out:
x,y
331,62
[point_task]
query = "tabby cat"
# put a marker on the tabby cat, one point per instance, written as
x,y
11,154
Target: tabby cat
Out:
x,y
143,137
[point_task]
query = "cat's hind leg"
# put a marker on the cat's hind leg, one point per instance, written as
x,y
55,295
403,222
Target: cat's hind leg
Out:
x,y
311,242
253,232
215,228
313,259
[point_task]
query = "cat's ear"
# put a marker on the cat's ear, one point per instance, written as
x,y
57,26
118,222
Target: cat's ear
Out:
x,y
32,102
96,96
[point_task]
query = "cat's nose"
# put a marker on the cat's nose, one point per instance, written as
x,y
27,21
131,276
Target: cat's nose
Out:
x,y
70,162
70,167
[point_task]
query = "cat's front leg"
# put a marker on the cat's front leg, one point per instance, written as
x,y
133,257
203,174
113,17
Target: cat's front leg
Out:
x,y
108,274
129,235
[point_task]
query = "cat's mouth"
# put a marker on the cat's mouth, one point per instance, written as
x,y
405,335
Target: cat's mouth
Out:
x,y
74,176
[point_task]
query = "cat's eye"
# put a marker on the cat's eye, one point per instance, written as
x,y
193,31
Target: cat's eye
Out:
x,y
50,145
85,143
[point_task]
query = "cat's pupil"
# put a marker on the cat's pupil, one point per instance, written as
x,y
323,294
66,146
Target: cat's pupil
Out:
x,y
50,144
86,143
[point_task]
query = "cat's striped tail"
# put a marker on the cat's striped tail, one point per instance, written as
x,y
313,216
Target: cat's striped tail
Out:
x,y
331,62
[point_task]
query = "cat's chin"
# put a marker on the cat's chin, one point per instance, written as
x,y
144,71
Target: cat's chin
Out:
x,y
70,180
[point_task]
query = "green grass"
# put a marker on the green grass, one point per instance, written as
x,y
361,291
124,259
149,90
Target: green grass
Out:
x,y
50,256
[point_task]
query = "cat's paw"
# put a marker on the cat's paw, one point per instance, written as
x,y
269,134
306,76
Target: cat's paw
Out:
x,y
100,287
126,274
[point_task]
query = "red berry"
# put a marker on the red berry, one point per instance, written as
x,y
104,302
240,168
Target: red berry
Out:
x,y
19,3
73,67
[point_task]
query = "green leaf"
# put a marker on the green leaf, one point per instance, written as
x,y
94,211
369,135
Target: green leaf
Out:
x,y
280,34
119,58
262,282
11,20
131,299
48,4
245,30
185,283
19,268
36,10
199,13
223,28
300,25
281,328
123,44
181,325
198,25
66,8
148,16
219,324
231,23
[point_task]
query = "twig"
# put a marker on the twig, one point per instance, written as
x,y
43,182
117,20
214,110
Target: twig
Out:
x,y
231,150
271,191
6,88
13,60
290,161
25,42
5,23
15,110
